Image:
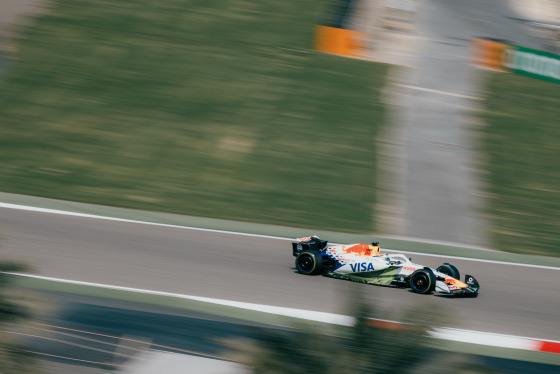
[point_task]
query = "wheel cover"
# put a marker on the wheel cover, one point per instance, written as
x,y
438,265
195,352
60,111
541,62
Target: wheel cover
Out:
x,y
421,282
305,263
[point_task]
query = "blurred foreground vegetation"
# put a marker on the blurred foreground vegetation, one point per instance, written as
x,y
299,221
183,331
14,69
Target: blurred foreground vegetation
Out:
x,y
364,348
522,142
14,358
206,108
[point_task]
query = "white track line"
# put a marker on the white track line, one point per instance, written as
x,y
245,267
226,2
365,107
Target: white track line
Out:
x,y
84,215
277,310
485,338
438,92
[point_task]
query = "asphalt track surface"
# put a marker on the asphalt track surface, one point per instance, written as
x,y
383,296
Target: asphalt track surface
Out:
x,y
513,300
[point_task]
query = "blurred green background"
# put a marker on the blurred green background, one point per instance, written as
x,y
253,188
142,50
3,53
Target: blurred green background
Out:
x,y
207,108
522,144
221,109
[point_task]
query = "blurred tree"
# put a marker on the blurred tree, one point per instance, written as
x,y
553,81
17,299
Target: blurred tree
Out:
x,y
366,347
13,357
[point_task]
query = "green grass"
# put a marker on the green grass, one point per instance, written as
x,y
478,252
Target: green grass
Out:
x,y
522,141
207,108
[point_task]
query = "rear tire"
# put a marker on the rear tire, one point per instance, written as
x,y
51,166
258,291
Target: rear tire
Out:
x,y
449,270
422,281
309,262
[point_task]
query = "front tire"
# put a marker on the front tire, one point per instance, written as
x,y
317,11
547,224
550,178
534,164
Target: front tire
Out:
x,y
422,281
309,262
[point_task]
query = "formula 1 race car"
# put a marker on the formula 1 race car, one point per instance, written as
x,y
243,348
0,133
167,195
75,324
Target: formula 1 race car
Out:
x,y
366,264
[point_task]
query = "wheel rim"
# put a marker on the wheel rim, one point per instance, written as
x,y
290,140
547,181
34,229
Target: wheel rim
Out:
x,y
305,263
421,282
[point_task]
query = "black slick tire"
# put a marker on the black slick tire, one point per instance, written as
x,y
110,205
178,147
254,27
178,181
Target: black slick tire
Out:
x,y
422,281
309,262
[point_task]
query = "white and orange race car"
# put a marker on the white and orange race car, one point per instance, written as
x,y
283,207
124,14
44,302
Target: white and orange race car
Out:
x,y
366,263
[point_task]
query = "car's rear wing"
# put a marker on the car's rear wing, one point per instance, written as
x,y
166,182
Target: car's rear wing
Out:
x,y
308,243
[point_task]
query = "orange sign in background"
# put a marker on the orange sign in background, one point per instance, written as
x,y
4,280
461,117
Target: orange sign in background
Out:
x,y
487,53
340,41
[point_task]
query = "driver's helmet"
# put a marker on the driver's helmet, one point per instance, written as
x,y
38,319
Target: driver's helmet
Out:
x,y
375,249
